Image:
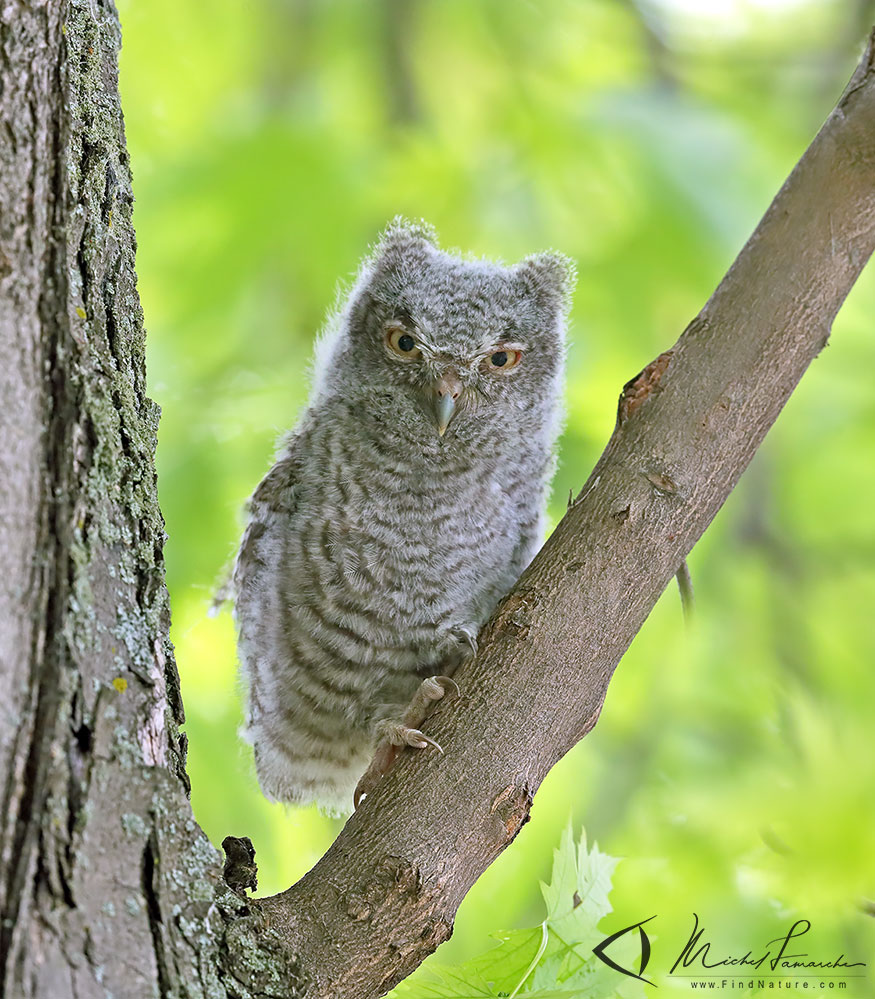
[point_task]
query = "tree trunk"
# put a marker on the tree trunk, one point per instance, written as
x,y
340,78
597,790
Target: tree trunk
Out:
x,y
102,867
107,885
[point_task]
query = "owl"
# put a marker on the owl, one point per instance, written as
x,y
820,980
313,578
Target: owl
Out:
x,y
403,506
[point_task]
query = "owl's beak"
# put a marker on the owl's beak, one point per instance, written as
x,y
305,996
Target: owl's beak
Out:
x,y
443,395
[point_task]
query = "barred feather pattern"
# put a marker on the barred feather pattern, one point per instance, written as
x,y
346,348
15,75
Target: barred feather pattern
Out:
x,y
372,540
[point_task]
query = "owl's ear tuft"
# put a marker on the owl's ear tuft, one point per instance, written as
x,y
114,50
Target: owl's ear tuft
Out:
x,y
404,238
549,278
402,249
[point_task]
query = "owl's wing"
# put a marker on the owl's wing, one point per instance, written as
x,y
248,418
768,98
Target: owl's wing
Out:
x,y
254,583
530,540
275,498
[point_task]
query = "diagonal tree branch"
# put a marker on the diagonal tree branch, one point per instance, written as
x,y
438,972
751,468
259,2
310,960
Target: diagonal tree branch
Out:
x,y
106,882
385,894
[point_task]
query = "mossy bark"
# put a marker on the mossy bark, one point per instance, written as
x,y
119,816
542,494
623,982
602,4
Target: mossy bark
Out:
x,y
107,885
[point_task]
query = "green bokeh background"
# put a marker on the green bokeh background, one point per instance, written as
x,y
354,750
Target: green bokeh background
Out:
x,y
734,764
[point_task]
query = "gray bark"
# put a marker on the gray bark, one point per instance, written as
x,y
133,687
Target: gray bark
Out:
x,y
107,885
105,878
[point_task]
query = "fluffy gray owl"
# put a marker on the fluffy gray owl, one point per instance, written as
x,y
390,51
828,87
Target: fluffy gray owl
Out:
x,y
404,505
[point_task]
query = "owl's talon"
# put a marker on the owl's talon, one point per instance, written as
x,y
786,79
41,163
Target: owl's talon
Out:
x,y
398,734
448,686
419,740
432,688
466,636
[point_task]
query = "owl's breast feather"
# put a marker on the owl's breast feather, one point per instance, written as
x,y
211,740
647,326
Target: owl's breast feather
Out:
x,y
413,540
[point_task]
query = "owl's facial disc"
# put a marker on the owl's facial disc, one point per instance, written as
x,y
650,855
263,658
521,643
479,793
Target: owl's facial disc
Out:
x,y
441,396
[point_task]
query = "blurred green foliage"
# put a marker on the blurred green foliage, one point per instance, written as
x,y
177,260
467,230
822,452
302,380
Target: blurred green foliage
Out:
x,y
734,765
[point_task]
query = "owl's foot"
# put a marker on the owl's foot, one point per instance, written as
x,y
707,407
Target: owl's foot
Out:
x,y
432,689
394,735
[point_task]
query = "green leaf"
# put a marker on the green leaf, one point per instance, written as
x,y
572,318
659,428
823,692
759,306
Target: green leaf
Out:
x,y
553,960
581,882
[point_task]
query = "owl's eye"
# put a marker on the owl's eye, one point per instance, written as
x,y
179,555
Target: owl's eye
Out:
x,y
400,342
503,360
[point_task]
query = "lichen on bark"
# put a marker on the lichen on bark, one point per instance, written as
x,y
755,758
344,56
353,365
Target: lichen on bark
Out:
x,y
101,855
